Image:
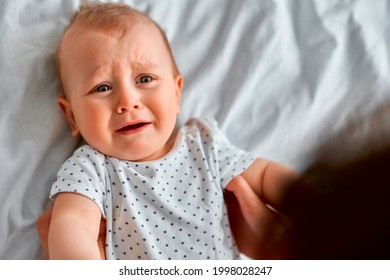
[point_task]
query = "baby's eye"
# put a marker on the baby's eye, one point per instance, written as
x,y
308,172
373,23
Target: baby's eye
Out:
x,y
103,88
144,79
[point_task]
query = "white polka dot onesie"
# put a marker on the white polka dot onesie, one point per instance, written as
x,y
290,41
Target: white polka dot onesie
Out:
x,y
171,208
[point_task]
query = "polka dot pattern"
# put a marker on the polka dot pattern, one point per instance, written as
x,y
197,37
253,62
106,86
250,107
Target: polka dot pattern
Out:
x,y
171,208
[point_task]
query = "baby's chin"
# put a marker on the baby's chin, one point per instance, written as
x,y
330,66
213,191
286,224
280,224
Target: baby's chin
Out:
x,y
137,154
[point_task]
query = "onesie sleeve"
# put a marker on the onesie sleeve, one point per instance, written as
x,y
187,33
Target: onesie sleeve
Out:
x,y
83,174
226,160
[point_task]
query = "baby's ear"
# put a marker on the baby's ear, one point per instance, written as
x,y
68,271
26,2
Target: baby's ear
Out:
x,y
66,109
179,81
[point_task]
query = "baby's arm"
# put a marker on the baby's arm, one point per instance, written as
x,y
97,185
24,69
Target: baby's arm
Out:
x,y
268,183
280,187
74,228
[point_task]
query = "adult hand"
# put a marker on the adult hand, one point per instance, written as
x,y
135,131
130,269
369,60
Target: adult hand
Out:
x,y
259,231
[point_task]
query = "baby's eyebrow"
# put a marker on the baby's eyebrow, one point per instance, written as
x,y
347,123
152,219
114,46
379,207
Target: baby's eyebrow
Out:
x,y
94,72
143,64
134,65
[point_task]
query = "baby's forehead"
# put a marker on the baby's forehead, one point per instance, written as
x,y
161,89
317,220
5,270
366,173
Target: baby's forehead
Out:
x,y
116,29
137,37
129,35
151,33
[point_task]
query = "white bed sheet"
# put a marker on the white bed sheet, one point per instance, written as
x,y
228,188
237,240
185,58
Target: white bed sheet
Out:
x,y
283,78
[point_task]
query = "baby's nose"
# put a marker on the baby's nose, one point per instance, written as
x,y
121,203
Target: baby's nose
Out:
x,y
128,101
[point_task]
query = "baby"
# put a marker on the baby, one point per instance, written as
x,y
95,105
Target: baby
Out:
x,y
160,188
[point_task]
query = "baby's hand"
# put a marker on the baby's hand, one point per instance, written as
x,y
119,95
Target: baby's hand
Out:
x,y
260,232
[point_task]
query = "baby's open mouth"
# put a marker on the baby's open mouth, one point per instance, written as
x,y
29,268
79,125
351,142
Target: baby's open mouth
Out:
x,y
133,127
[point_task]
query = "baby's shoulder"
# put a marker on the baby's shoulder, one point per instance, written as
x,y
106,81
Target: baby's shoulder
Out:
x,y
87,151
204,126
86,157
